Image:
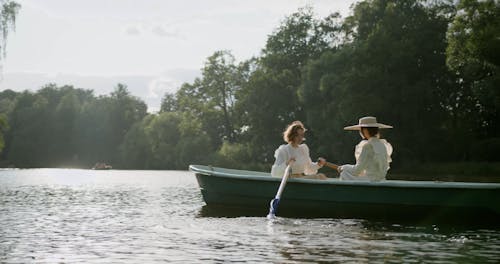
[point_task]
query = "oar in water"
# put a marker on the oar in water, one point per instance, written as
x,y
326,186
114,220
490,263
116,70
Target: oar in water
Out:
x,y
273,205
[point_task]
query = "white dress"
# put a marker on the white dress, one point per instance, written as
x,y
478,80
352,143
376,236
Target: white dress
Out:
x,y
302,165
373,157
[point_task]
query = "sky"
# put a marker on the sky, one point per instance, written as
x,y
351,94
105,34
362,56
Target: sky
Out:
x,y
152,46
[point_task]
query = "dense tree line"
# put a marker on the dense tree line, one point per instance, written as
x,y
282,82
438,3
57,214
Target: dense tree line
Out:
x,y
64,126
430,68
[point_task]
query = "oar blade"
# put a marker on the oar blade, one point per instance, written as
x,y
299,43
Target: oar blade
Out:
x,y
273,207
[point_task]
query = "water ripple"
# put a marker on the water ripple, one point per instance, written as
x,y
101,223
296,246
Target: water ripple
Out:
x,y
133,217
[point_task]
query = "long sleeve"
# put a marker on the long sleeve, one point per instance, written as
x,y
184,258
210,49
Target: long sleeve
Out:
x,y
372,161
279,166
389,149
310,167
363,161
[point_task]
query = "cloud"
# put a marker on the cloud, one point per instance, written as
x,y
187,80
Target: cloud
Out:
x,y
162,31
159,86
132,30
158,30
170,81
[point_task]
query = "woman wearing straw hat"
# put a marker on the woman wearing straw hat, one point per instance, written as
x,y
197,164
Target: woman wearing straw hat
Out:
x,y
373,154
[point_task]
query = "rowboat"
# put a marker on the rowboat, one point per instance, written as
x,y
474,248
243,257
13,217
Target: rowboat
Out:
x,y
249,193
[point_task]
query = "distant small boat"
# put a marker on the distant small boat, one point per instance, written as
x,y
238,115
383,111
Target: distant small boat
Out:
x,y
102,166
250,192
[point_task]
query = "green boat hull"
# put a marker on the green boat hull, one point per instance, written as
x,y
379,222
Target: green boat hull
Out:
x,y
250,192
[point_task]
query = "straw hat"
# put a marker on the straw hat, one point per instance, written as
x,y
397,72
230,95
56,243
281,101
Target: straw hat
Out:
x,y
367,121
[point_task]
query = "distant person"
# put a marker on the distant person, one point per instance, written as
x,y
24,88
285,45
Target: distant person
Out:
x,y
302,166
373,155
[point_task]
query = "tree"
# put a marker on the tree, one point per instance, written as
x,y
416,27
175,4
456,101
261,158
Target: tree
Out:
x,y
473,55
3,127
193,102
299,38
43,126
168,103
211,99
219,85
393,68
27,145
135,149
195,144
7,102
8,15
104,123
63,128
269,99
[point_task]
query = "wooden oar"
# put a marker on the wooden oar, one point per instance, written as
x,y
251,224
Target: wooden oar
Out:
x,y
331,165
273,205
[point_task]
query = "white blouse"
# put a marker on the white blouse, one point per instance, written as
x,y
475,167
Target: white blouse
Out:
x,y
373,157
302,164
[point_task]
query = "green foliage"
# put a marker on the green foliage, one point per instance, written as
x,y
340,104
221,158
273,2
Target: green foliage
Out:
x,y
269,99
473,36
27,145
8,13
234,155
169,103
152,143
211,99
299,38
473,55
395,61
7,101
136,148
428,68
64,126
3,127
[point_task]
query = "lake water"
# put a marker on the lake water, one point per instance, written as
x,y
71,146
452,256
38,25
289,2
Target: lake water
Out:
x,y
68,216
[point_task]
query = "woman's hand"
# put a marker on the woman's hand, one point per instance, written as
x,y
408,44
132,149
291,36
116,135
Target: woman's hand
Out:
x,y
321,161
290,161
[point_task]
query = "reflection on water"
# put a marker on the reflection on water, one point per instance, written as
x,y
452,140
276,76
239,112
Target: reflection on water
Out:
x,y
50,215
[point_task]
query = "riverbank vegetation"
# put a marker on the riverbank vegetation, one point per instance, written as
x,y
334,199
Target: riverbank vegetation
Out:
x,y
429,68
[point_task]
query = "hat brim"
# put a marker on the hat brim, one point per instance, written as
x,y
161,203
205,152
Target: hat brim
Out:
x,y
358,127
